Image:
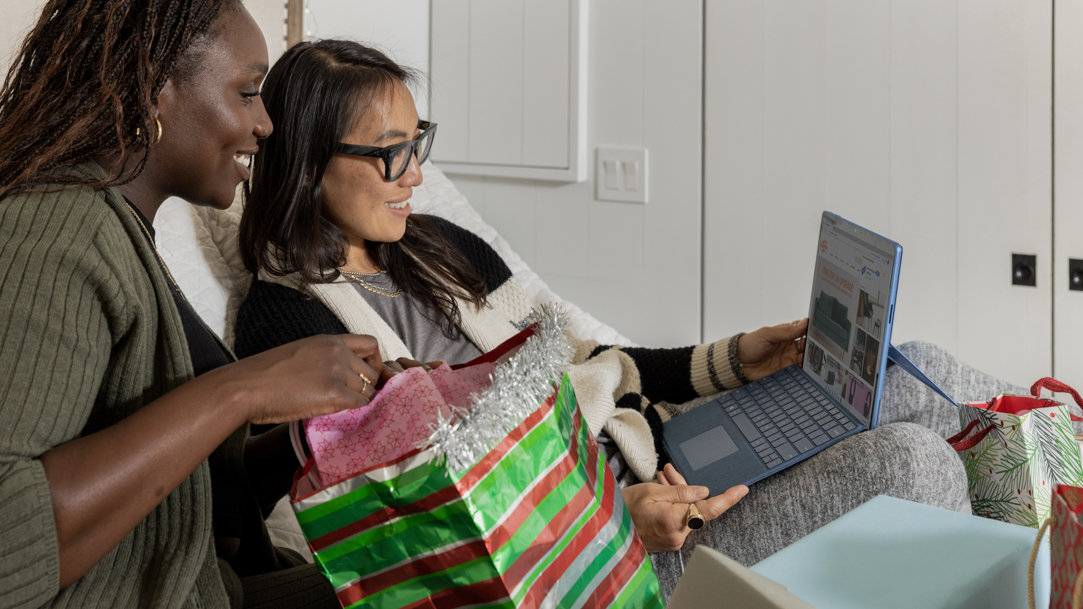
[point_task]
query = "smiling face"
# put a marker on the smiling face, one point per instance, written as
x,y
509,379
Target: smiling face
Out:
x,y
211,116
356,198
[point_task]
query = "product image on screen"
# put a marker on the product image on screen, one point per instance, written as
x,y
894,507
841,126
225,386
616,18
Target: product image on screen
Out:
x,y
848,316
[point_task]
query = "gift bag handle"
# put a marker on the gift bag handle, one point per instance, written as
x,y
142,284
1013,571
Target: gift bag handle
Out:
x,y
1034,557
298,443
1056,386
1077,587
959,444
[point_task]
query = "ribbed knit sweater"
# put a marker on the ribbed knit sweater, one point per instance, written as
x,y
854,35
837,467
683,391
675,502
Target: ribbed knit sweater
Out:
x,y
89,333
619,389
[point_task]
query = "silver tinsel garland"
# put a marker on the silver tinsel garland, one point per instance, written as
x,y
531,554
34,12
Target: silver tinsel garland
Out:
x,y
519,386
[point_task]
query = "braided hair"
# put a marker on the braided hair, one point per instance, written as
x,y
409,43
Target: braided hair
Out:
x,y
82,86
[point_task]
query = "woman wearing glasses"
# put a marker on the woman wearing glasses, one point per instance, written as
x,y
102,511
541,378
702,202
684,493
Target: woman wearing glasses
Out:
x,y
328,230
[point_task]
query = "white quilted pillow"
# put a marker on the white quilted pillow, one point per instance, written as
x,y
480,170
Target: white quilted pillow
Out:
x,y
200,246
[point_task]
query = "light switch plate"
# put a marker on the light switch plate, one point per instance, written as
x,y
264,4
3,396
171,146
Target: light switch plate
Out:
x,y
621,175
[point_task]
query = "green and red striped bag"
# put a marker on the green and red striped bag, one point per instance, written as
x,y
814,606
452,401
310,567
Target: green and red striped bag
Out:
x,y
536,521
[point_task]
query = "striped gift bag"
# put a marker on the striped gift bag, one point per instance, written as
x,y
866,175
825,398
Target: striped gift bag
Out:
x,y
537,520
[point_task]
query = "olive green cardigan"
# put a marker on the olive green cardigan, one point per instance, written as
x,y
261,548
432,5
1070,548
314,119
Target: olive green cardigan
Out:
x,y
88,333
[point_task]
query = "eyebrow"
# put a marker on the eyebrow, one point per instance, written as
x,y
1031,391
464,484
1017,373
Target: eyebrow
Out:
x,y
393,133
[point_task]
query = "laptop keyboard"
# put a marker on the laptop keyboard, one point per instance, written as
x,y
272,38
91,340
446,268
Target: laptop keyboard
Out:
x,y
785,415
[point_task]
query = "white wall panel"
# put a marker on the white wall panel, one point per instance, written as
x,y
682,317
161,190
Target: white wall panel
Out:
x,y
1068,193
915,118
450,68
524,78
513,212
496,82
17,17
1004,187
635,267
399,28
546,60
737,231
924,158
271,17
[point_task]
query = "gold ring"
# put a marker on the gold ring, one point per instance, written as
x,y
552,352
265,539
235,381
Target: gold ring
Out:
x,y
693,519
367,381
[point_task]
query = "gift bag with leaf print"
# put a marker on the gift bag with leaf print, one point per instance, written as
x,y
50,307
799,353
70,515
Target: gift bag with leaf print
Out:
x,y
1016,450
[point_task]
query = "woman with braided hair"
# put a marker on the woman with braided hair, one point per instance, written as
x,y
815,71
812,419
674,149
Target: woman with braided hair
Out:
x,y
120,410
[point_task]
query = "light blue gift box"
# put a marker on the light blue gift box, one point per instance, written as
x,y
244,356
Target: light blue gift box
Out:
x,y
889,553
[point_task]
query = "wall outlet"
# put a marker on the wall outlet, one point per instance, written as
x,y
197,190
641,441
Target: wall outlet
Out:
x,y
621,175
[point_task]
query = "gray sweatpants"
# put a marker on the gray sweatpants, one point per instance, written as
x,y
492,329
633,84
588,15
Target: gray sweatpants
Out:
x,y
905,457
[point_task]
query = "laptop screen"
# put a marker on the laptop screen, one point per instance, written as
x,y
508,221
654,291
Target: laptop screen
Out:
x,y
850,316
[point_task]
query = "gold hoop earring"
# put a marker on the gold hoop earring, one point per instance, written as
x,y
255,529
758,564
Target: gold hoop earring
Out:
x,y
158,138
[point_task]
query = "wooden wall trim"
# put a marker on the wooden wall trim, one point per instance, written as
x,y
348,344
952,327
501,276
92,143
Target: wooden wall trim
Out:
x,y
295,10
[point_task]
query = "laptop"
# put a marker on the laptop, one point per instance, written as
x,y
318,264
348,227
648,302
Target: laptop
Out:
x,y
782,419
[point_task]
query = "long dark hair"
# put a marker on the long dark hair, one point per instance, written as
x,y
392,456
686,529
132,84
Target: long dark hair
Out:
x,y
315,94
84,81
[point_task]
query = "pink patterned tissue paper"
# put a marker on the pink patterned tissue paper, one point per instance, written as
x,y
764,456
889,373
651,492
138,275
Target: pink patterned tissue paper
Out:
x,y
398,420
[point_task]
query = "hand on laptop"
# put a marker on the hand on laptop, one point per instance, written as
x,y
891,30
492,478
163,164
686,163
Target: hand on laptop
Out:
x,y
772,348
659,509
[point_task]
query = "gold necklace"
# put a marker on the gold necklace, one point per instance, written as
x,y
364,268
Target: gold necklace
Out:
x,y
154,247
357,278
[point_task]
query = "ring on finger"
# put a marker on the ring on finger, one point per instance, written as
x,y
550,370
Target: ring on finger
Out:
x,y
366,381
693,519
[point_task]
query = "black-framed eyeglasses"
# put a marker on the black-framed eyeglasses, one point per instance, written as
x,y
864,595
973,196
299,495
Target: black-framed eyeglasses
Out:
x,y
396,158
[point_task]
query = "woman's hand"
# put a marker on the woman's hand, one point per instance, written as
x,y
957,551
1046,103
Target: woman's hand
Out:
x,y
772,348
393,367
659,510
302,379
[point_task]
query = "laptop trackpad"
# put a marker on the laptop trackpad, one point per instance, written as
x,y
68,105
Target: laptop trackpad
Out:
x,y
708,447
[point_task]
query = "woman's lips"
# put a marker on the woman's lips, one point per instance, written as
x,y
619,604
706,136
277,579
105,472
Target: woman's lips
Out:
x,y
398,208
243,160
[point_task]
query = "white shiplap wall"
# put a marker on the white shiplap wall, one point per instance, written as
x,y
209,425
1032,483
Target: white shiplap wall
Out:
x,y
16,19
400,29
636,267
926,120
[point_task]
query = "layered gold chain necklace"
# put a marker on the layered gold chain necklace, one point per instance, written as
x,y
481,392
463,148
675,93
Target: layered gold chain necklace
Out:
x,y
359,279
